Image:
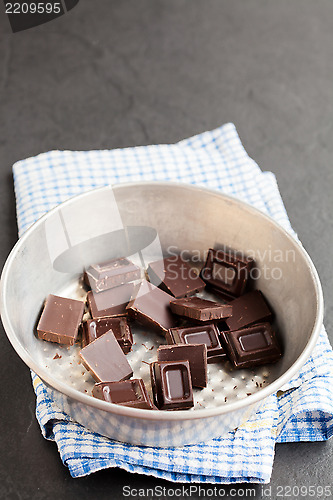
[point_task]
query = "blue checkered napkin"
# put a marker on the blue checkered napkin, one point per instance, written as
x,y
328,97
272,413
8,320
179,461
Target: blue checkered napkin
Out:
x,y
302,411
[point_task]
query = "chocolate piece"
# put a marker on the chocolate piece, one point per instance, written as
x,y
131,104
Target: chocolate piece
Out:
x,y
125,393
171,384
175,276
105,359
248,309
227,272
200,309
207,334
60,320
110,303
251,346
113,273
196,354
151,308
94,328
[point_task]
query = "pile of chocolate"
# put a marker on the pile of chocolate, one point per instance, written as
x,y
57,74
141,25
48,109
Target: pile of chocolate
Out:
x,y
197,331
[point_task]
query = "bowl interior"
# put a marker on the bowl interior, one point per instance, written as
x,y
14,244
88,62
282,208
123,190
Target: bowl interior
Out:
x,y
146,219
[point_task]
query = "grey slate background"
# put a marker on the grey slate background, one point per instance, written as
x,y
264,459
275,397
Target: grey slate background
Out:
x,y
114,74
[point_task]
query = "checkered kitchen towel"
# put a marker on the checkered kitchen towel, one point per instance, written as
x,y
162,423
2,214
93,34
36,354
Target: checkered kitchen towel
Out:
x,y
302,412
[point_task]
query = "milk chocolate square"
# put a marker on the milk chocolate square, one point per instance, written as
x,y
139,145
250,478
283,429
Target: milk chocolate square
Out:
x,y
200,309
248,309
175,276
125,393
105,359
110,274
60,320
151,307
110,303
94,328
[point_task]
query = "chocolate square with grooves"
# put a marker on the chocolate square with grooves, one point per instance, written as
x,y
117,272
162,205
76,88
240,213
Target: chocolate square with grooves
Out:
x,y
196,354
175,276
60,320
171,384
94,328
110,303
251,346
110,274
207,334
105,359
227,272
248,309
131,393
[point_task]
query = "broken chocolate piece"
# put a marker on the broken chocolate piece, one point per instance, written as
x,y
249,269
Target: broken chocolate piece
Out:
x,y
196,354
105,359
207,334
200,309
94,328
125,393
248,309
251,346
110,303
60,320
110,274
151,308
175,276
171,384
227,272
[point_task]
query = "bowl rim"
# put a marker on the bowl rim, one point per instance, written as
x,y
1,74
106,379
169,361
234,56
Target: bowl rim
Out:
x,y
86,399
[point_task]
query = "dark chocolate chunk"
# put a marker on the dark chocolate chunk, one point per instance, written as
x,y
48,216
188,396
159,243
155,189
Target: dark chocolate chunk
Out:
x,y
207,334
175,276
171,384
251,346
151,308
248,309
110,274
60,320
227,272
200,309
110,303
196,354
105,359
125,393
94,328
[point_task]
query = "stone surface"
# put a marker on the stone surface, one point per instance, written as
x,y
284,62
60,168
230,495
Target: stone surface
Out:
x,y
115,74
